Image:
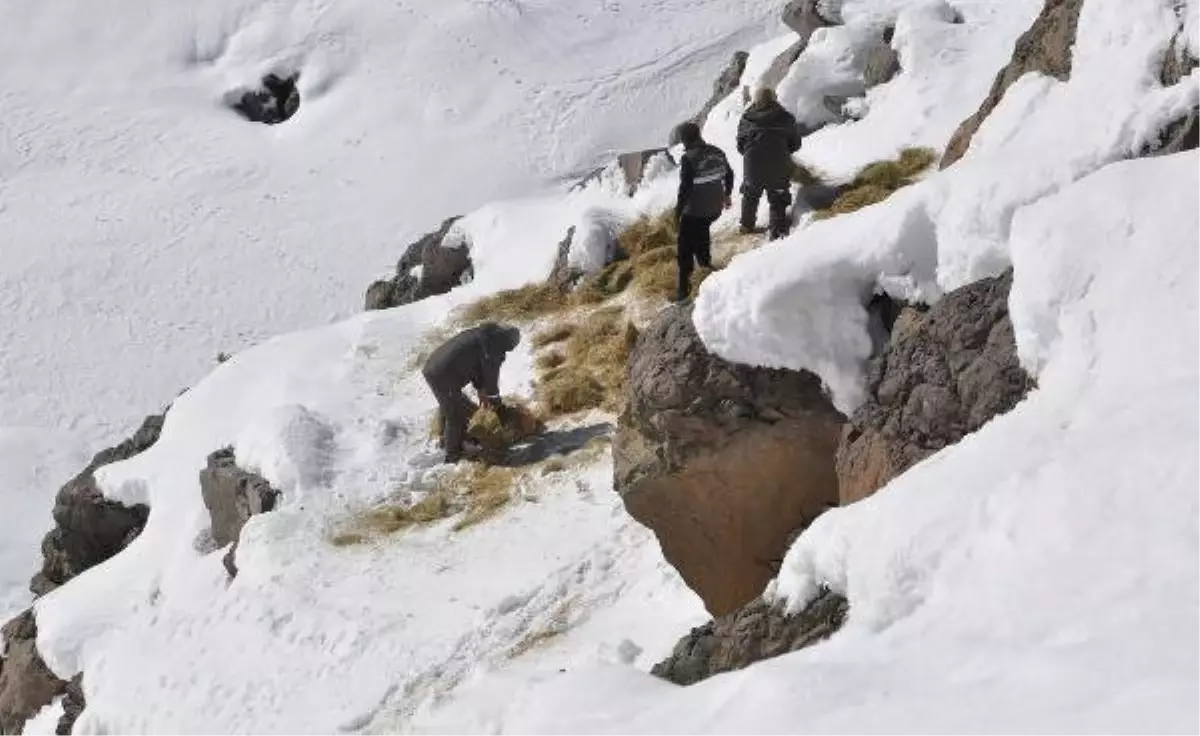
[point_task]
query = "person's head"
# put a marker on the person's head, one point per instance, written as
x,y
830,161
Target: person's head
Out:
x,y
765,96
687,134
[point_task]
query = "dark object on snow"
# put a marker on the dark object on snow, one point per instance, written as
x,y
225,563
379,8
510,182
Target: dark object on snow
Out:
x,y
89,528
722,461
473,357
232,496
442,267
751,634
277,100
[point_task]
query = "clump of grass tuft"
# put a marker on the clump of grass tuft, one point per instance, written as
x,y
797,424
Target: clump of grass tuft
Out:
x,y
592,374
494,436
602,286
554,334
805,176
518,305
546,361
647,234
876,182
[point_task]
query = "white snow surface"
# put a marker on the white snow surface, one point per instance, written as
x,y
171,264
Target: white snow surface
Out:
x,y
145,228
1039,575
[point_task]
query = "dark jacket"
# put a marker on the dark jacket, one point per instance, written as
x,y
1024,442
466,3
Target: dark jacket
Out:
x,y
472,356
705,180
767,137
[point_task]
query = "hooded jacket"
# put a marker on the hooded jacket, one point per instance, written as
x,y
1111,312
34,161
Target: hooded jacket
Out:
x,y
473,356
705,180
767,137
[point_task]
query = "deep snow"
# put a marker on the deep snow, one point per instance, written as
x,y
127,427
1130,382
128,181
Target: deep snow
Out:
x,y
145,228
1039,575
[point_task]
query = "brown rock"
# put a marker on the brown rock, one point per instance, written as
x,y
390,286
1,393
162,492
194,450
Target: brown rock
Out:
x,y
26,684
443,266
232,496
722,461
756,632
1045,48
943,374
90,528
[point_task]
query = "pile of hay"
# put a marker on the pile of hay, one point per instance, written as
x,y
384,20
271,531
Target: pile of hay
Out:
x,y
492,435
876,182
515,305
588,372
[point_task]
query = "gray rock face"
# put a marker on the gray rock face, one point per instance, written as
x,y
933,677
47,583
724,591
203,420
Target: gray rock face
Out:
x,y
562,276
722,461
806,16
943,374
1183,133
89,528
882,62
73,704
232,496
443,266
632,166
26,684
726,83
756,632
1045,48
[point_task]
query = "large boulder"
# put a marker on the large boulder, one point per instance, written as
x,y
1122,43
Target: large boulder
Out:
x,y
1044,48
755,632
90,528
430,265
943,374
232,495
722,461
26,683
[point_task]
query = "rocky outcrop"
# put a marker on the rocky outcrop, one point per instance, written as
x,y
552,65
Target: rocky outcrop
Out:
x,y
882,63
726,84
1183,133
232,496
276,100
756,632
806,16
440,267
562,276
722,461
943,374
26,684
1044,48
90,528
631,167
73,704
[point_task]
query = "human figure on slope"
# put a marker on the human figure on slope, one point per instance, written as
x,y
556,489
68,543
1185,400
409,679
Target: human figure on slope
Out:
x,y
767,137
474,357
705,188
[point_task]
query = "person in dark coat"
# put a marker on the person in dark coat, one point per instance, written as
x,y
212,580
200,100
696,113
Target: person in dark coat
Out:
x,y
474,357
705,188
767,137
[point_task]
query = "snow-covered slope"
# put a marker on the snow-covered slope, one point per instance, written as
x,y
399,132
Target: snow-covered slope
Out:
x,y
1041,574
144,227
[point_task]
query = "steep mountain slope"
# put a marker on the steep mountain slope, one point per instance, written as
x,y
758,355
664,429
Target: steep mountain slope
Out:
x,y
1038,575
145,227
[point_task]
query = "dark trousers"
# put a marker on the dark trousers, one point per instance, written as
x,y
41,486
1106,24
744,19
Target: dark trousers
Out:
x,y
456,411
695,246
777,199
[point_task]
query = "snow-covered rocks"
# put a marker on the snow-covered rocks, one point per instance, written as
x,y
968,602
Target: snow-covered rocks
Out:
x,y
757,631
433,264
26,684
232,495
1046,48
723,461
90,528
944,373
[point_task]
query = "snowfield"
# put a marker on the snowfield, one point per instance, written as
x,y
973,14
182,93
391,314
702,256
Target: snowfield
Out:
x,y
145,227
1041,575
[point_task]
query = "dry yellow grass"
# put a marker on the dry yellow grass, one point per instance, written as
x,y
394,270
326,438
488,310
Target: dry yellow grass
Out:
x,y
519,305
804,175
553,334
876,182
592,374
549,360
492,435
